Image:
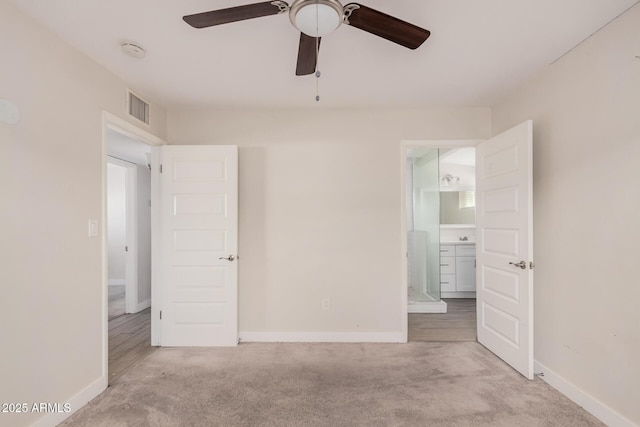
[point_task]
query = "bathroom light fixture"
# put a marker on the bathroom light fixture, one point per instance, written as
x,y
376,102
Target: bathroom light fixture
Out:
x,y
448,178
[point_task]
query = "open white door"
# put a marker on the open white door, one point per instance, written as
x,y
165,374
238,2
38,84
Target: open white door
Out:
x,y
504,219
199,239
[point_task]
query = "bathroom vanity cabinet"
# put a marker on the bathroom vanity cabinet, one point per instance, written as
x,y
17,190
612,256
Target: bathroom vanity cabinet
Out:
x,y
458,270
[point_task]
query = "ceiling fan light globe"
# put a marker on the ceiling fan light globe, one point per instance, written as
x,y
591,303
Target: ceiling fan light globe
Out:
x,y
316,18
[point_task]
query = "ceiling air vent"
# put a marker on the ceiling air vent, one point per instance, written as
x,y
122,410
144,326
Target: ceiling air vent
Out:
x,y
137,107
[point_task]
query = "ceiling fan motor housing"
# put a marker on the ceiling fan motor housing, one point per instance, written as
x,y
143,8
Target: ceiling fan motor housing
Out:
x,y
316,18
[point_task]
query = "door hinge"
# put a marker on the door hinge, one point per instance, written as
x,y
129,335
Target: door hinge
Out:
x,y
160,168
531,265
160,314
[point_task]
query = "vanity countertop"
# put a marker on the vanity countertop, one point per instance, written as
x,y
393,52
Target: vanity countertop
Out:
x,y
457,242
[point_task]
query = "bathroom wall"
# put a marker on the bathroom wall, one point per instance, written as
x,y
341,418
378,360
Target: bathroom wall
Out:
x,y
450,210
453,234
467,174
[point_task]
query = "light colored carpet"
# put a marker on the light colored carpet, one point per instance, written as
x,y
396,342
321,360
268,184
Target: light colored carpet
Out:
x,y
415,384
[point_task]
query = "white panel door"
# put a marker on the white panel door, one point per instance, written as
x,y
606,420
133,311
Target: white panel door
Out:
x,y
505,246
199,276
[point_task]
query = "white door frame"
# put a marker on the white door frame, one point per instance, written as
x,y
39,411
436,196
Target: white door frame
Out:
x,y
405,147
110,121
131,233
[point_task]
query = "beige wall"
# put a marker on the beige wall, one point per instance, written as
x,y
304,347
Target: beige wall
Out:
x,y
51,175
320,209
586,112
116,223
143,195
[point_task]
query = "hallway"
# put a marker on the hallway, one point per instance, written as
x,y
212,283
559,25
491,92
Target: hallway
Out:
x,y
129,342
116,301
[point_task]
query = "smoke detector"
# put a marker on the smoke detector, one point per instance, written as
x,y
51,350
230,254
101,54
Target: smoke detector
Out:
x,y
133,50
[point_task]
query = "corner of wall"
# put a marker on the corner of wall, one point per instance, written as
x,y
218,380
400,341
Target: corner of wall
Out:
x,y
592,405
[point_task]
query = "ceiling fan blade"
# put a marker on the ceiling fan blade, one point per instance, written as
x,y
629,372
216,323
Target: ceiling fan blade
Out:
x,y
307,55
232,14
386,26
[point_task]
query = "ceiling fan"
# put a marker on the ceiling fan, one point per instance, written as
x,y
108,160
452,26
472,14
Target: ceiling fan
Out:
x,y
316,18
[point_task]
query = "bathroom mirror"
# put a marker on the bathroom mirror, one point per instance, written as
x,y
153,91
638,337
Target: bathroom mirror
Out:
x,y
457,207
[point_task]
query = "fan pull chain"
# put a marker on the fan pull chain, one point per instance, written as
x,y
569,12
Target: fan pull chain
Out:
x,y
318,73
317,55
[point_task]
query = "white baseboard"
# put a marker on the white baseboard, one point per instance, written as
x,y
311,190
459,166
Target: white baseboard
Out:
x,y
114,282
427,307
76,402
143,305
582,398
324,337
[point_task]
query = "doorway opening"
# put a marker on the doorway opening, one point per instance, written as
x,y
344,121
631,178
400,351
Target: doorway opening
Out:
x,y
128,153
117,227
504,249
440,230
129,251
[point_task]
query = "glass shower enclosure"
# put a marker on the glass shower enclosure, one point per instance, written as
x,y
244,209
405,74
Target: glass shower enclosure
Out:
x,y
423,231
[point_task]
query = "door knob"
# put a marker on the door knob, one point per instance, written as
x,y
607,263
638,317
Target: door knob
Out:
x,y
521,264
228,258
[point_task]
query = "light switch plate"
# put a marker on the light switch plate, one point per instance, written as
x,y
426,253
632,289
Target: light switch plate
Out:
x,y
93,228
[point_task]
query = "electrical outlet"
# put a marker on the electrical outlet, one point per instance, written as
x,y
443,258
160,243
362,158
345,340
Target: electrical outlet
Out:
x,y
326,303
9,112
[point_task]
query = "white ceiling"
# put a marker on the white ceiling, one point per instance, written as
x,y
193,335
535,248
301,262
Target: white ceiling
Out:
x,y
459,156
478,51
